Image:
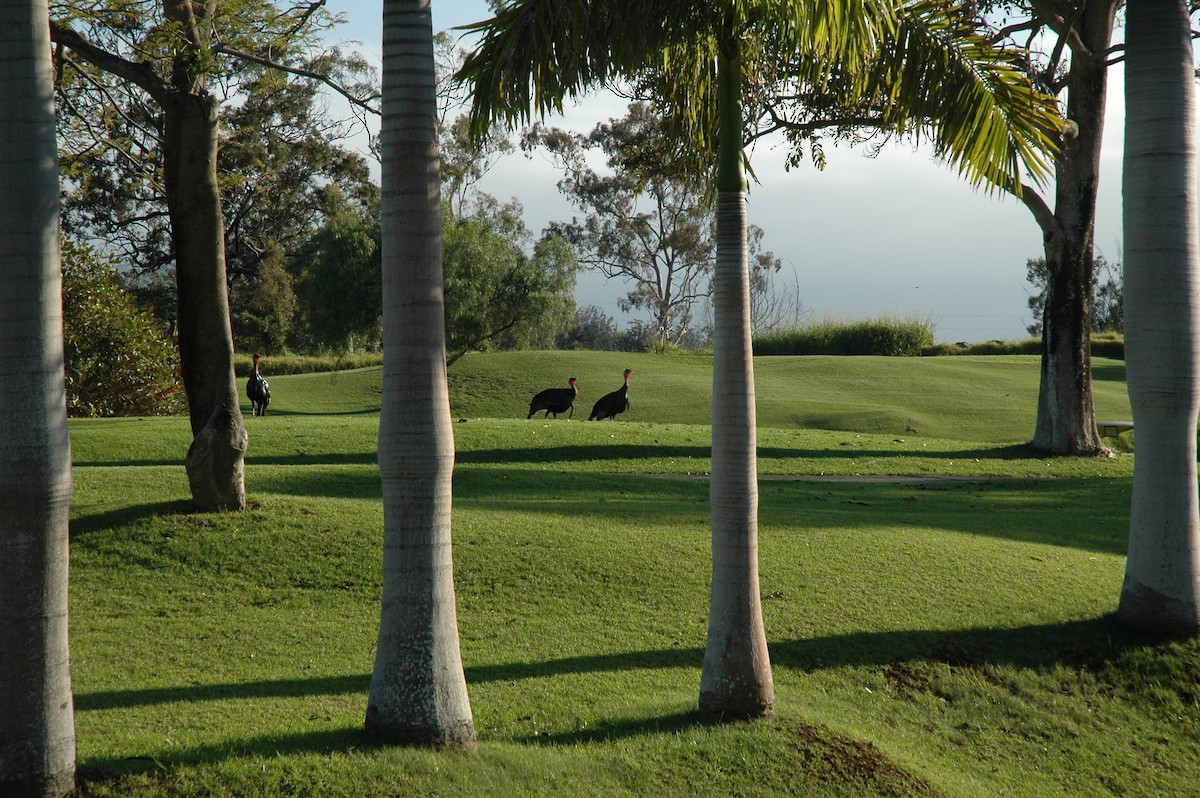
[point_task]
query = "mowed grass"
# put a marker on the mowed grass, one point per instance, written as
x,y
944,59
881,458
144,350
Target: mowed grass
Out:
x,y
931,637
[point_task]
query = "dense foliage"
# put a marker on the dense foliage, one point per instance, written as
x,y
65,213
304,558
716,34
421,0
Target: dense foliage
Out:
x,y
119,361
1107,294
340,282
501,292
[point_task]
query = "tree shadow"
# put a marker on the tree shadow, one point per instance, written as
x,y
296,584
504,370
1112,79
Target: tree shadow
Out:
x,y
85,524
1087,644
1108,373
1084,645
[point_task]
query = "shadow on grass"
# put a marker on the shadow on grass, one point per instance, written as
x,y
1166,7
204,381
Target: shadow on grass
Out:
x,y
300,458
1086,644
338,411
82,525
331,741
1113,373
653,451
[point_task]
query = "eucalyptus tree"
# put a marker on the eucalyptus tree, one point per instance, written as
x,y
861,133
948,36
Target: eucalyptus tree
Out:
x,y
37,727
534,54
644,222
418,692
1076,51
1162,318
172,53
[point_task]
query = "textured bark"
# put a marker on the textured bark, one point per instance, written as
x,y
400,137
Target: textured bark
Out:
x,y
735,682
1066,417
37,730
215,461
418,693
1161,592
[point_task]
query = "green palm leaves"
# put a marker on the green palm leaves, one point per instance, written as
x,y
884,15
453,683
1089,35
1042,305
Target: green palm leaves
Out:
x,y
915,68
935,74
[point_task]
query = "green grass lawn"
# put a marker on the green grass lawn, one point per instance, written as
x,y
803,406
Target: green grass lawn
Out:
x,y
927,638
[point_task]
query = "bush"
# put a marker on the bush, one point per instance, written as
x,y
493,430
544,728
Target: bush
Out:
x,y
119,361
1108,344
305,364
880,336
1103,345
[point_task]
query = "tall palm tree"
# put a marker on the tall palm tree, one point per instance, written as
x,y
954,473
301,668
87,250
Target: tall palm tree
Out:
x,y
696,56
1162,318
37,727
418,690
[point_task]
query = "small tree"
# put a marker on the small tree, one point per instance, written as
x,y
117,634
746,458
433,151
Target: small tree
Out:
x,y
119,362
340,283
496,293
1107,295
593,329
644,223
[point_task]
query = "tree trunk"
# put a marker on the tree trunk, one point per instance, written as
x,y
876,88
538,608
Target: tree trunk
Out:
x,y
37,728
1161,592
215,461
418,691
1066,417
735,682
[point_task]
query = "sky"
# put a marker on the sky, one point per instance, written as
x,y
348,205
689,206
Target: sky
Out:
x,y
896,235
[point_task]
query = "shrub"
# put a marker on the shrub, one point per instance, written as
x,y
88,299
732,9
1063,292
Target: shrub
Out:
x,y
879,336
306,364
119,362
1109,344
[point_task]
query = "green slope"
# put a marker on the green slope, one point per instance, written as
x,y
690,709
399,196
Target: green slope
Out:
x,y
970,398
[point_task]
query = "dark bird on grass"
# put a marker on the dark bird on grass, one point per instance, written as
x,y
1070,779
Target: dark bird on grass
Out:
x,y
555,400
609,405
258,391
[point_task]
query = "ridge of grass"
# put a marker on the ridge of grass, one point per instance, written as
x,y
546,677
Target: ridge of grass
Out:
x,y
928,638
966,398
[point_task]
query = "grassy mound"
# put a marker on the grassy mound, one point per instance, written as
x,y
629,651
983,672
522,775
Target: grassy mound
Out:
x,y
927,638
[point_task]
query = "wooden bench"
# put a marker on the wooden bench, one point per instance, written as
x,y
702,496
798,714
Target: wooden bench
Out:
x,y
1111,429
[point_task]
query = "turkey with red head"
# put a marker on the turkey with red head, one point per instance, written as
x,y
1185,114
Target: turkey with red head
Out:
x,y
555,400
609,405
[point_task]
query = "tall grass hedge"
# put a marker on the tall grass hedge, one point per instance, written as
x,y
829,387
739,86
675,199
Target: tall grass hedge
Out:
x,y
878,336
304,364
904,337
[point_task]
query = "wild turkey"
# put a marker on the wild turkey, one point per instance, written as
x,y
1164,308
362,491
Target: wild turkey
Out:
x,y
258,391
609,405
555,400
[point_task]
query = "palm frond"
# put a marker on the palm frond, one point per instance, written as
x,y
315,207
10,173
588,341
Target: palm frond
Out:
x,y
535,54
978,106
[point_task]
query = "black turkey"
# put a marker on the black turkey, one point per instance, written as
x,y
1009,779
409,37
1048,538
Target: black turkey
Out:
x,y
609,405
555,400
258,391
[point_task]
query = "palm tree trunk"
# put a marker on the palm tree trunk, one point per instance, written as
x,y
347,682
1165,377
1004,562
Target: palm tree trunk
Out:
x,y
418,689
1162,315
736,679
37,727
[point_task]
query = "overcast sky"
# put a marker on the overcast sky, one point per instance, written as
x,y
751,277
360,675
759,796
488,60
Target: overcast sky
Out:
x,y
899,234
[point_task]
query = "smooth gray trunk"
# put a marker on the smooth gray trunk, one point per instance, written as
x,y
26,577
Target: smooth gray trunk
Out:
x,y
418,693
37,730
736,681
1161,592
